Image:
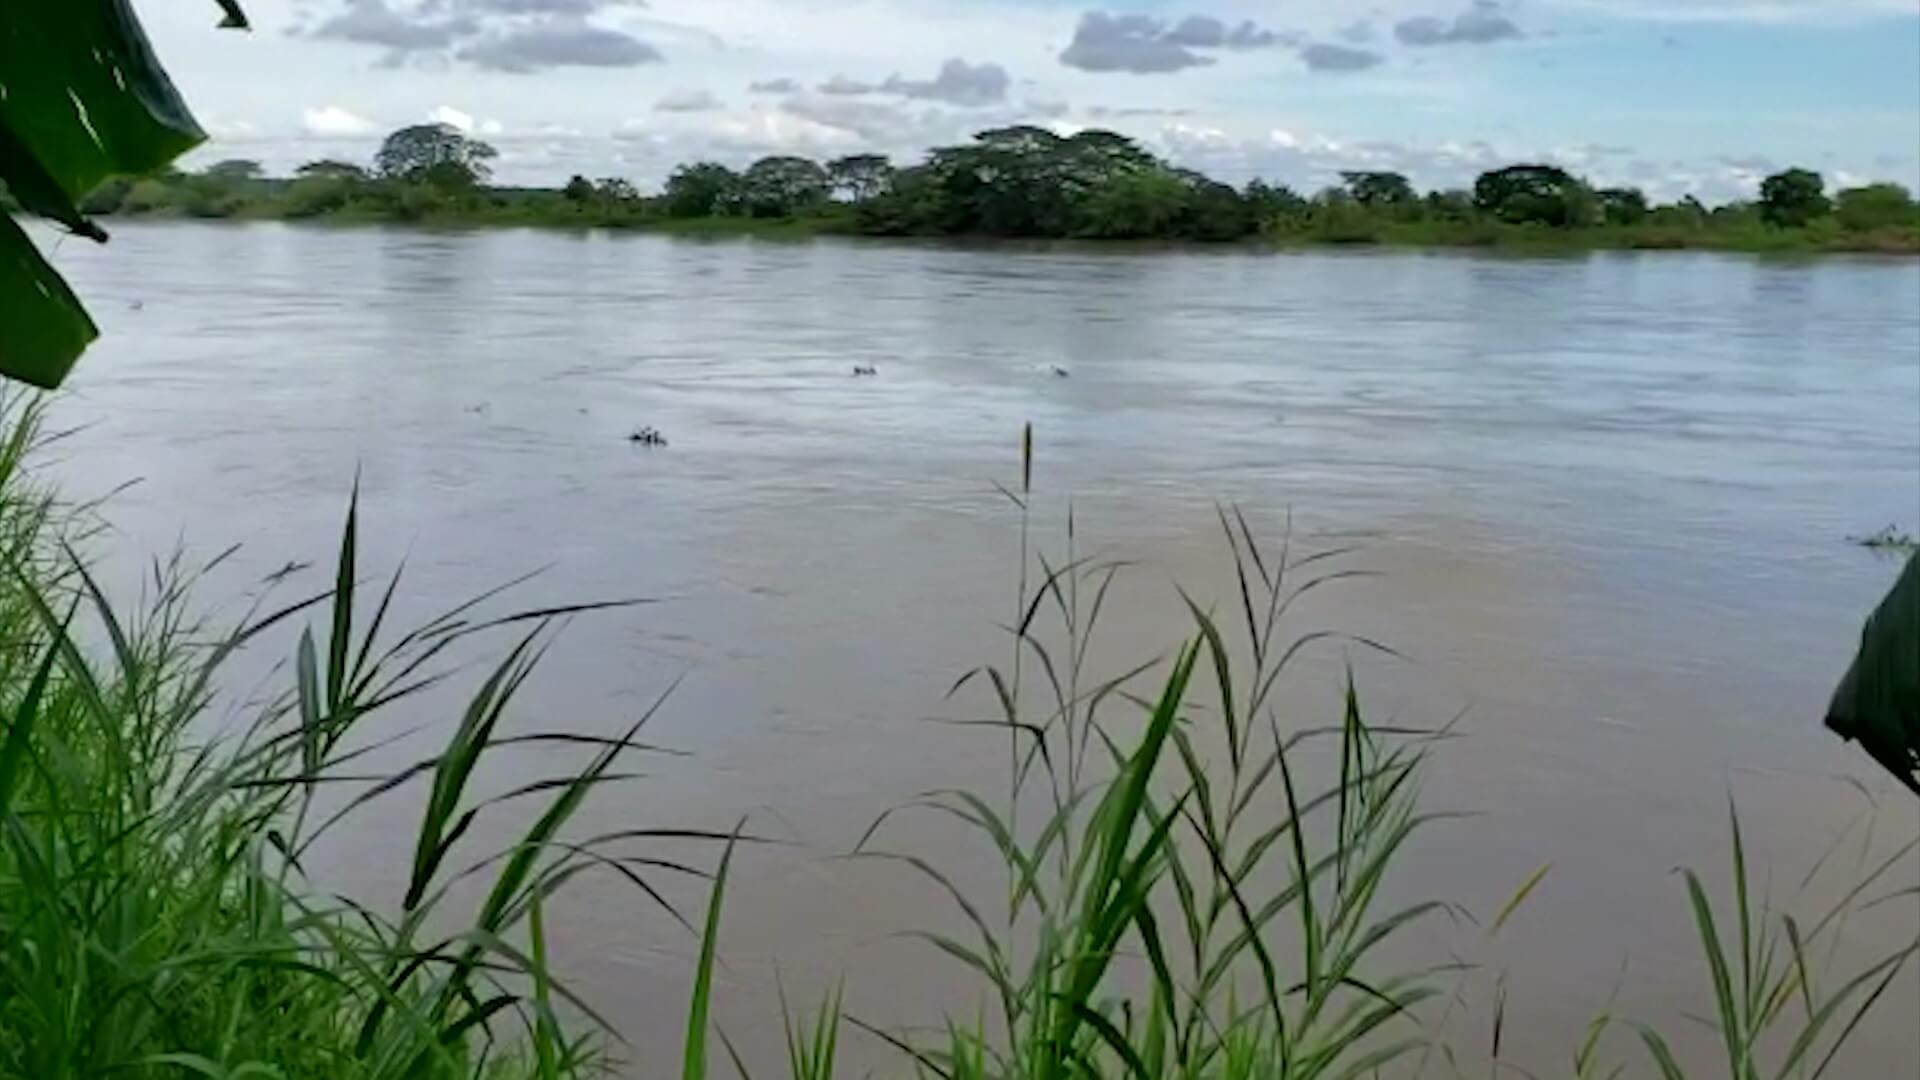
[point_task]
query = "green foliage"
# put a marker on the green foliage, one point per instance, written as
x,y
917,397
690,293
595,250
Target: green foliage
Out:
x,y
438,155
234,171
1451,206
1134,205
1273,203
156,918
1876,206
1376,189
1621,206
1792,198
85,100
1181,902
1535,195
329,168
782,186
1764,970
702,189
319,193
859,177
1878,700
1339,219
1016,181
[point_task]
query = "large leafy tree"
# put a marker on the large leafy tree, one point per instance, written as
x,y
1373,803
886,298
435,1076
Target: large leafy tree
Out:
x,y
1876,206
702,188
782,186
860,177
437,154
85,100
1622,205
330,169
1378,188
1537,195
1134,205
1793,197
1271,202
235,171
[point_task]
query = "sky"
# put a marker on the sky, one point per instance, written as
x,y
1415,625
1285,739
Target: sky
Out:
x,y
1675,96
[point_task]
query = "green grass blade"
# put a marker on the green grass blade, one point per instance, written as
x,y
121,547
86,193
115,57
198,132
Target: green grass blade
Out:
x,y
694,1058
1722,981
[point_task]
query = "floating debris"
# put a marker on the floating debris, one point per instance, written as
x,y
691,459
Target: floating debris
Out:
x,y
648,436
1889,539
865,369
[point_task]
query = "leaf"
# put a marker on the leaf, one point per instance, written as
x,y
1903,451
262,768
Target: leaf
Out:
x,y
46,328
86,99
694,1063
1878,700
1519,897
82,99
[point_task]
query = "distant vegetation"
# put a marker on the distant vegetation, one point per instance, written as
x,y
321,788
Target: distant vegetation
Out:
x,y
1030,182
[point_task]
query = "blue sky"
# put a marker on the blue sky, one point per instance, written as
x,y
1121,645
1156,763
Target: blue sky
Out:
x,y
1701,96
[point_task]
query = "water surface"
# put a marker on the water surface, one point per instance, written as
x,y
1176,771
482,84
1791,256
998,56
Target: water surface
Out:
x,y
1609,494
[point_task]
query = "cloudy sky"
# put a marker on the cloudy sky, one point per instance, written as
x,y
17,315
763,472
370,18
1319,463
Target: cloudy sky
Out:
x,y
1673,95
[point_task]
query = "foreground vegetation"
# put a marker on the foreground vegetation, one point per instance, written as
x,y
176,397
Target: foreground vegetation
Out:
x,y
1181,899
1029,182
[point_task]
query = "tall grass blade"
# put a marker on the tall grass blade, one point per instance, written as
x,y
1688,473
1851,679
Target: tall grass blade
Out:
x,y
694,1058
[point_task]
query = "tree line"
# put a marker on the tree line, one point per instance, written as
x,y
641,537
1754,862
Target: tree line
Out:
x,y
1026,181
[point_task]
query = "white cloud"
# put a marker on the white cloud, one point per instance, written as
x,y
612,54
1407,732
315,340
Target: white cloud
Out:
x,y
332,121
464,122
452,117
309,95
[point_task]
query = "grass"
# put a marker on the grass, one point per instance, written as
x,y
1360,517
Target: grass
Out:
x,y
1180,902
1196,884
155,916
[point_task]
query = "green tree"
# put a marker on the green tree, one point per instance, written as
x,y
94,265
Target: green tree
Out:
x,y
1093,157
1621,205
1213,211
312,196
702,189
439,155
1380,189
1134,205
616,189
860,177
1272,203
782,186
234,171
332,169
1875,206
1535,194
918,202
1452,205
1007,182
1792,198
578,190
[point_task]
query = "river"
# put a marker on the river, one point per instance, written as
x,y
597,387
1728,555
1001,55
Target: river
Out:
x,y
1609,496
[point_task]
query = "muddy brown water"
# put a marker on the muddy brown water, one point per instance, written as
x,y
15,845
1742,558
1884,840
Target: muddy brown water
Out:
x,y
1609,497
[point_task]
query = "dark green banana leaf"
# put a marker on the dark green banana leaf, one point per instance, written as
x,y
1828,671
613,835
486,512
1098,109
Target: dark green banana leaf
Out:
x,y
1878,700
82,99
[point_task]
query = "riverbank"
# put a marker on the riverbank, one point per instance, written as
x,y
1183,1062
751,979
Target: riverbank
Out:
x,y
1819,239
